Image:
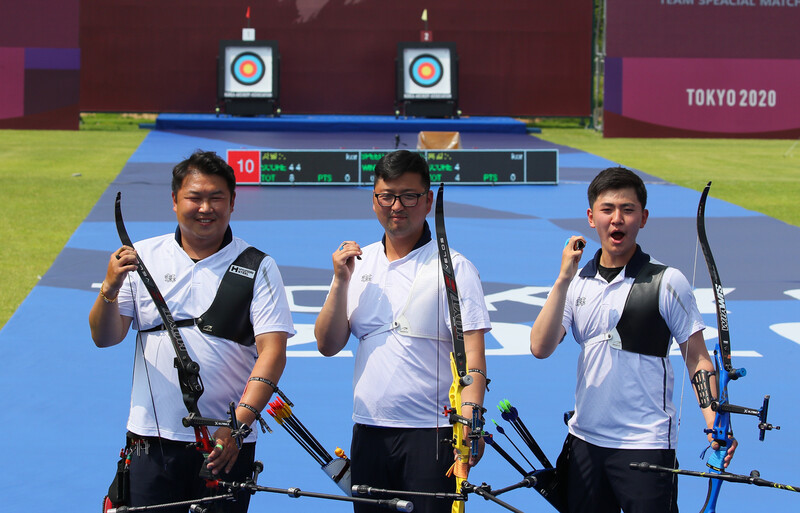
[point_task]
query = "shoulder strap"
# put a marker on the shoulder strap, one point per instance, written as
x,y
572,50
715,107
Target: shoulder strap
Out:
x,y
229,314
422,299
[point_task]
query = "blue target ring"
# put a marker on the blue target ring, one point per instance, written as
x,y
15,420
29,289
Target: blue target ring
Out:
x,y
247,68
426,70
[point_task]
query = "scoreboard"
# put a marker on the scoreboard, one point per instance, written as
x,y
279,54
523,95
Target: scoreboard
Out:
x,y
357,167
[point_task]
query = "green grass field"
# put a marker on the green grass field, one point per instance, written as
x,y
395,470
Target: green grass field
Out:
x,y
51,179
760,175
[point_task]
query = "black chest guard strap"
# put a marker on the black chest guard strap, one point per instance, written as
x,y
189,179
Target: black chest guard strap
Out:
x,y
229,314
641,328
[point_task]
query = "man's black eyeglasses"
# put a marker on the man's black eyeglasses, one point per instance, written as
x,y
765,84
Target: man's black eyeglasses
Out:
x,y
407,199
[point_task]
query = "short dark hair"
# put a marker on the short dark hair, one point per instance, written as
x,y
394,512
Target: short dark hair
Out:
x,y
207,163
397,163
615,178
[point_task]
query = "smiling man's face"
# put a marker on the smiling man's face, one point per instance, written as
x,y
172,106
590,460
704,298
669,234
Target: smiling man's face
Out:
x,y
203,206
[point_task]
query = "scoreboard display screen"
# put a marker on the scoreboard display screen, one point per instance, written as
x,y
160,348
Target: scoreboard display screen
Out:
x,y
482,166
357,167
367,165
309,167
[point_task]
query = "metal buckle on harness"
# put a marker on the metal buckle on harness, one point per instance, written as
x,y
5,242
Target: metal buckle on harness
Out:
x,y
612,337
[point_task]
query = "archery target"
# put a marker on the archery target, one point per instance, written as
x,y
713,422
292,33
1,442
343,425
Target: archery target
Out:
x,y
427,73
425,70
248,72
247,68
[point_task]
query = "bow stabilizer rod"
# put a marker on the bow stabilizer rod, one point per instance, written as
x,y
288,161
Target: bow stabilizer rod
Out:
x,y
754,478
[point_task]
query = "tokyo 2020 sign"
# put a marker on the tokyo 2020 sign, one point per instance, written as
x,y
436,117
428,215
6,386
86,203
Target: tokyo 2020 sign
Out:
x,y
702,68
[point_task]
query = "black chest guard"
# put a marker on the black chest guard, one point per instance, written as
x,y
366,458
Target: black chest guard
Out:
x,y
229,314
641,328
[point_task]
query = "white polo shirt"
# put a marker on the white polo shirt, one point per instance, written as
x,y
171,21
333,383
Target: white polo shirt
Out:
x,y
403,381
189,288
622,399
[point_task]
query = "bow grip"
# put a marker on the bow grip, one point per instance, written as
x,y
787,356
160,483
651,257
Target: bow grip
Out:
x,y
716,461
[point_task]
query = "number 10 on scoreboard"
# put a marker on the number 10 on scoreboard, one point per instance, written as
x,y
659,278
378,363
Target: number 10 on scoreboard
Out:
x,y
246,165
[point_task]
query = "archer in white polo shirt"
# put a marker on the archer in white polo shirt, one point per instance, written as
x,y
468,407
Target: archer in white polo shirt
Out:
x,y
391,297
624,308
233,318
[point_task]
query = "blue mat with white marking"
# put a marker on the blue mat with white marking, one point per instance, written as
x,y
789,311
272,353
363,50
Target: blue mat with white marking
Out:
x,y
65,402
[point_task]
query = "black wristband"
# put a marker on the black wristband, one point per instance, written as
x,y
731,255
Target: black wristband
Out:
x,y
259,418
264,380
474,405
482,373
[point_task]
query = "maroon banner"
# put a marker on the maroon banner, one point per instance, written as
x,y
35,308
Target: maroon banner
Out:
x,y
337,56
702,68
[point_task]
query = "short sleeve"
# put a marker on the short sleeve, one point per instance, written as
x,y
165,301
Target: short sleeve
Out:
x,y
678,306
269,311
474,314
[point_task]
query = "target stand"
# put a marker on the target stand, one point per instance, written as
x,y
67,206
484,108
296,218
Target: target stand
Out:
x,y
426,80
248,77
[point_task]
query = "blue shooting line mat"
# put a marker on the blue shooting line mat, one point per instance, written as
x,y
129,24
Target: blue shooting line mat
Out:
x,y
66,402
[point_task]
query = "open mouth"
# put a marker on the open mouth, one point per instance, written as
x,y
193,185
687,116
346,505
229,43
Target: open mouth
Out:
x,y
617,236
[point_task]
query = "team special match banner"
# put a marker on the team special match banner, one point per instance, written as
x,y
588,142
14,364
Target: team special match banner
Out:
x,y
702,68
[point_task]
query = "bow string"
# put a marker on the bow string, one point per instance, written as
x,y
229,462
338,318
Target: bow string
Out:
x,y
718,399
191,384
721,432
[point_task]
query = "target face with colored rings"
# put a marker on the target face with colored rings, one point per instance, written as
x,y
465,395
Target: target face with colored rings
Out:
x,y
426,70
247,68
